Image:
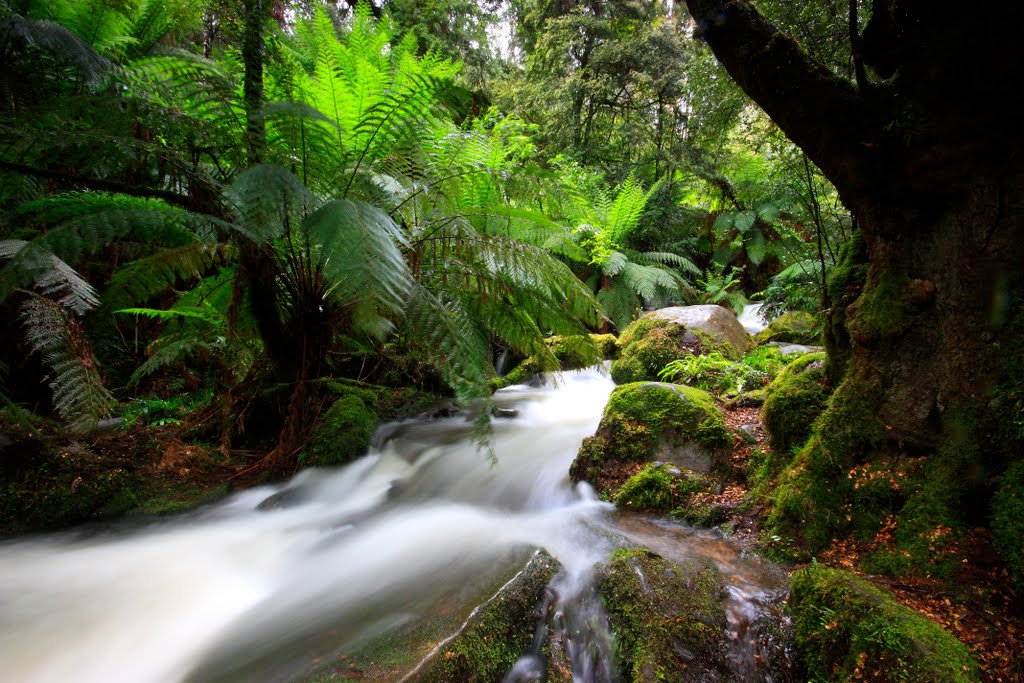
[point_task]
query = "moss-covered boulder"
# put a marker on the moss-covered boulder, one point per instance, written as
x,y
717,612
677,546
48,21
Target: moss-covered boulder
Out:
x,y
794,327
343,432
571,352
497,634
793,400
667,618
848,630
648,421
659,337
659,487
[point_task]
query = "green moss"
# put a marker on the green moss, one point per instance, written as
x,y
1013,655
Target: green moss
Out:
x,y
1008,521
646,346
571,352
667,618
847,630
653,489
607,345
883,309
793,401
343,435
343,432
845,282
794,327
498,634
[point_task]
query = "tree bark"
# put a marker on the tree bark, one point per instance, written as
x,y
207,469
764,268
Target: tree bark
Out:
x,y
920,152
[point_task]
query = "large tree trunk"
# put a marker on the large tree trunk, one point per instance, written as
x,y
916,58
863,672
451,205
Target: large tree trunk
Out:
x,y
919,152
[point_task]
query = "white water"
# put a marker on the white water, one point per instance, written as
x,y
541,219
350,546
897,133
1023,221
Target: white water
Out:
x,y
239,591
751,318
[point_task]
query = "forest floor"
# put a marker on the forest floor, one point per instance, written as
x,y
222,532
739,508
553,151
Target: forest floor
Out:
x,y
977,604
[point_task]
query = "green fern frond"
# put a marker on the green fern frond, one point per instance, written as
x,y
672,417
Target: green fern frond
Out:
x,y
362,256
620,303
30,263
145,278
168,350
204,314
263,197
56,40
668,259
78,392
649,282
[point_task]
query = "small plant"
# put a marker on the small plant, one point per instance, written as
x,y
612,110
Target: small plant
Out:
x,y
766,359
722,286
714,373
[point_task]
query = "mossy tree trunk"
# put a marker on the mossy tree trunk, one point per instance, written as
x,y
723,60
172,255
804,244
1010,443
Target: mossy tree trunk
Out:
x,y
920,151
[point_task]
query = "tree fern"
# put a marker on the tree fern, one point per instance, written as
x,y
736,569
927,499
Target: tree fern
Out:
x,y
78,392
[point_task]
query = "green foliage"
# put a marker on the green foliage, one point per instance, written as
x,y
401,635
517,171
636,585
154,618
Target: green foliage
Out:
x,y
793,401
78,392
656,608
794,327
720,286
847,629
1008,520
712,372
652,489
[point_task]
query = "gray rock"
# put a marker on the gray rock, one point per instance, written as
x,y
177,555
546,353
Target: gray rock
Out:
x,y
715,321
794,349
752,432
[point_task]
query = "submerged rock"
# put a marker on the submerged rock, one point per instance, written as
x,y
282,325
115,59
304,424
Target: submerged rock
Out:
x,y
674,424
668,618
847,629
661,336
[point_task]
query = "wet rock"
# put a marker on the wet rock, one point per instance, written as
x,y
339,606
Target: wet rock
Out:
x,y
505,412
795,349
794,327
501,630
565,353
673,424
668,618
659,337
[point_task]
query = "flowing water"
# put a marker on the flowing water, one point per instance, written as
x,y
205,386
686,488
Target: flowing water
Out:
x,y
751,318
251,589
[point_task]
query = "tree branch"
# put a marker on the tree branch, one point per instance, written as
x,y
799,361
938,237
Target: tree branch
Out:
x,y
823,114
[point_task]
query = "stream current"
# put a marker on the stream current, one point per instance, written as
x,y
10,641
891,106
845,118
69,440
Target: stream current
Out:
x,y
258,587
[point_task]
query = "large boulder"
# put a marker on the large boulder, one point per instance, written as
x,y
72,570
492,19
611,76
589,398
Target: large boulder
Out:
x,y
668,619
661,336
648,421
849,630
794,327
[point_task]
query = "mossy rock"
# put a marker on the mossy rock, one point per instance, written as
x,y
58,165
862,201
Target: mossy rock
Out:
x,y
497,634
793,400
647,421
653,341
794,327
659,487
344,430
849,630
570,352
667,618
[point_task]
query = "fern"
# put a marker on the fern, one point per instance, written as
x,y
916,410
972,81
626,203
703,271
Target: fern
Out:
x,y
78,392
50,275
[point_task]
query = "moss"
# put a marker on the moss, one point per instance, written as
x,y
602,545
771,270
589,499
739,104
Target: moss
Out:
x,y
847,629
646,346
794,327
648,420
655,489
571,352
1008,521
649,344
845,282
667,618
498,634
343,435
793,401
607,345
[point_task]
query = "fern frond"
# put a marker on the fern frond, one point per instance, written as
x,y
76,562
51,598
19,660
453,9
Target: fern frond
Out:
x,y
145,278
649,281
668,259
361,254
620,303
263,196
78,392
50,275
169,349
62,44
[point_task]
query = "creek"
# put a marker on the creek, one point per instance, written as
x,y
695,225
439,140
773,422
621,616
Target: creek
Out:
x,y
264,585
